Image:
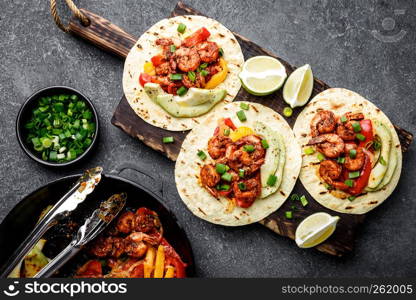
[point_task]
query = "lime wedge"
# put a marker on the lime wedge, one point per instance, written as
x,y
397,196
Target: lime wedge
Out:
x,y
298,87
262,75
315,229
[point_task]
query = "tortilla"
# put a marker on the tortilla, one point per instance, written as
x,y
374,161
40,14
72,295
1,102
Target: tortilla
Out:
x,y
145,48
200,202
341,101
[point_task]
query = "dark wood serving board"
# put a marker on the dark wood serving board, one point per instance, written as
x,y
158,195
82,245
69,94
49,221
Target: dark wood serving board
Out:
x,y
113,39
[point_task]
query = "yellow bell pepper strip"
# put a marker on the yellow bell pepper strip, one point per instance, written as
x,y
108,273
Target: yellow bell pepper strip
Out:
x,y
160,262
240,133
149,68
219,77
170,272
149,262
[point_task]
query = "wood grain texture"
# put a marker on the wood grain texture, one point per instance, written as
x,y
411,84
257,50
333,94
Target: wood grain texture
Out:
x,y
108,36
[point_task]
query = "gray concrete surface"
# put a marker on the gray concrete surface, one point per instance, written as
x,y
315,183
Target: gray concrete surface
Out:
x,y
336,37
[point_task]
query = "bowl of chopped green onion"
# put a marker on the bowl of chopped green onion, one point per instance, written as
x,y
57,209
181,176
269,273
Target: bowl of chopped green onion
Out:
x,y
57,126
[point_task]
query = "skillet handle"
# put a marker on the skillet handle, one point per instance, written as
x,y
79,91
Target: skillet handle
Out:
x,y
157,183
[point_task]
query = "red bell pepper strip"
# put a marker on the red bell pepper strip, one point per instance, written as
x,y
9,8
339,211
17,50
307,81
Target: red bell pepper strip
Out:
x,y
144,78
197,37
157,60
229,123
361,182
173,258
367,131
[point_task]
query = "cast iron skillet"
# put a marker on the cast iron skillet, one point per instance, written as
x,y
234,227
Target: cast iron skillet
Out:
x,y
23,217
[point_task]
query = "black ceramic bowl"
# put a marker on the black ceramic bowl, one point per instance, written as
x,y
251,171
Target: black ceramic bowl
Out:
x,y
25,114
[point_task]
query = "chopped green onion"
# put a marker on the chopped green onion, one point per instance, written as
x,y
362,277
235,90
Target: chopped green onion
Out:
x,y
175,76
244,106
221,52
349,182
204,73
382,161
265,144
287,111
181,28
271,181
303,200
201,154
288,214
241,116
46,143
344,119
172,48
223,187
220,168
182,91
360,137
309,151
352,198
248,148
242,186
241,173
353,153
294,197
167,139
293,207
377,145
53,155
203,66
227,177
341,160
320,156
192,76
354,174
328,186
356,126
227,131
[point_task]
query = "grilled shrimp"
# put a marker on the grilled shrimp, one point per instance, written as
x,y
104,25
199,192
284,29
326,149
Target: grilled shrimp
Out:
x,y
323,122
329,144
345,130
135,244
126,222
251,190
107,246
355,164
330,171
187,59
198,83
163,69
209,176
208,51
217,146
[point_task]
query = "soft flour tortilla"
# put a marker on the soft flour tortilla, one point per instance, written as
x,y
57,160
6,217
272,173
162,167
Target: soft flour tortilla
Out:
x,y
145,48
188,165
341,101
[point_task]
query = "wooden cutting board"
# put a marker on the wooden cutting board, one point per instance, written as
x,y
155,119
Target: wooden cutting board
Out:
x,y
113,39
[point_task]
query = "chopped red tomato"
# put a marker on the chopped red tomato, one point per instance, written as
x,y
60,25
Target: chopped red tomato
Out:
x,y
144,78
367,132
361,182
197,37
157,60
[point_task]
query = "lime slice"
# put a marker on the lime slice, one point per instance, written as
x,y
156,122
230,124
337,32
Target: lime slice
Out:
x,y
315,229
262,75
298,87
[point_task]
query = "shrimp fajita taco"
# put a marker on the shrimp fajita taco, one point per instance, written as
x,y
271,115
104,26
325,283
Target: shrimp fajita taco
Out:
x,y
238,166
352,156
180,69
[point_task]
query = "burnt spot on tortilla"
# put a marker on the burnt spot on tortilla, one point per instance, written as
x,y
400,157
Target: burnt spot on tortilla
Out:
x,y
319,109
276,117
131,76
202,211
398,145
162,27
139,46
165,127
225,108
168,117
373,202
377,110
221,35
183,125
283,194
323,192
233,41
337,105
196,121
254,108
304,135
183,190
349,207
294,177
155,34
314,163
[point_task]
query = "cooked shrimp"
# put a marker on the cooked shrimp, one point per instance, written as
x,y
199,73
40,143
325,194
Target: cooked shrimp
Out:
x,y
209,176
251,190
125,222
217,146
329,144
238,158
135,244
147,221
346,132
330,171
208,51
355,164
199,81
163,69
323,122
108,246
187,59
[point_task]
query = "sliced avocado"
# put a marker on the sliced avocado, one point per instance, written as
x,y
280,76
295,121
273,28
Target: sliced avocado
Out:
x,y
380,169
153,90
392,165
195,97
168,103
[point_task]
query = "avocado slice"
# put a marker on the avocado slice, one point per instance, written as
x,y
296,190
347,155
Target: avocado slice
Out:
x,y
392,165
171,106
195,97
153,90
275,158
380,169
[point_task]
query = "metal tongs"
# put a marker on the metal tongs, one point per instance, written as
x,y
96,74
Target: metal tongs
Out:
x,y
96,223
68,203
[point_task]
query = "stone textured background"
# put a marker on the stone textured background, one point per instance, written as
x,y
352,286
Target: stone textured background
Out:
x,y
334,37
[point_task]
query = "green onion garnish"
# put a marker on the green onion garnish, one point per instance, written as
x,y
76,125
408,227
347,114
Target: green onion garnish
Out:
x,y
167,139
377,145
344,119
271,181
201,154
288,214
203,66
227,131
244,106
226,177
204,73
221,52
220,168
351,198
175,76
303,200
182,91
349,182
241,116
248,148
287,111
294,197
356,126
328,186
241,173
192,76
360,137
265,144
309,151
181,28
172,48
382,161
354,174
242,186
320,156
353,153
223,187
341,160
